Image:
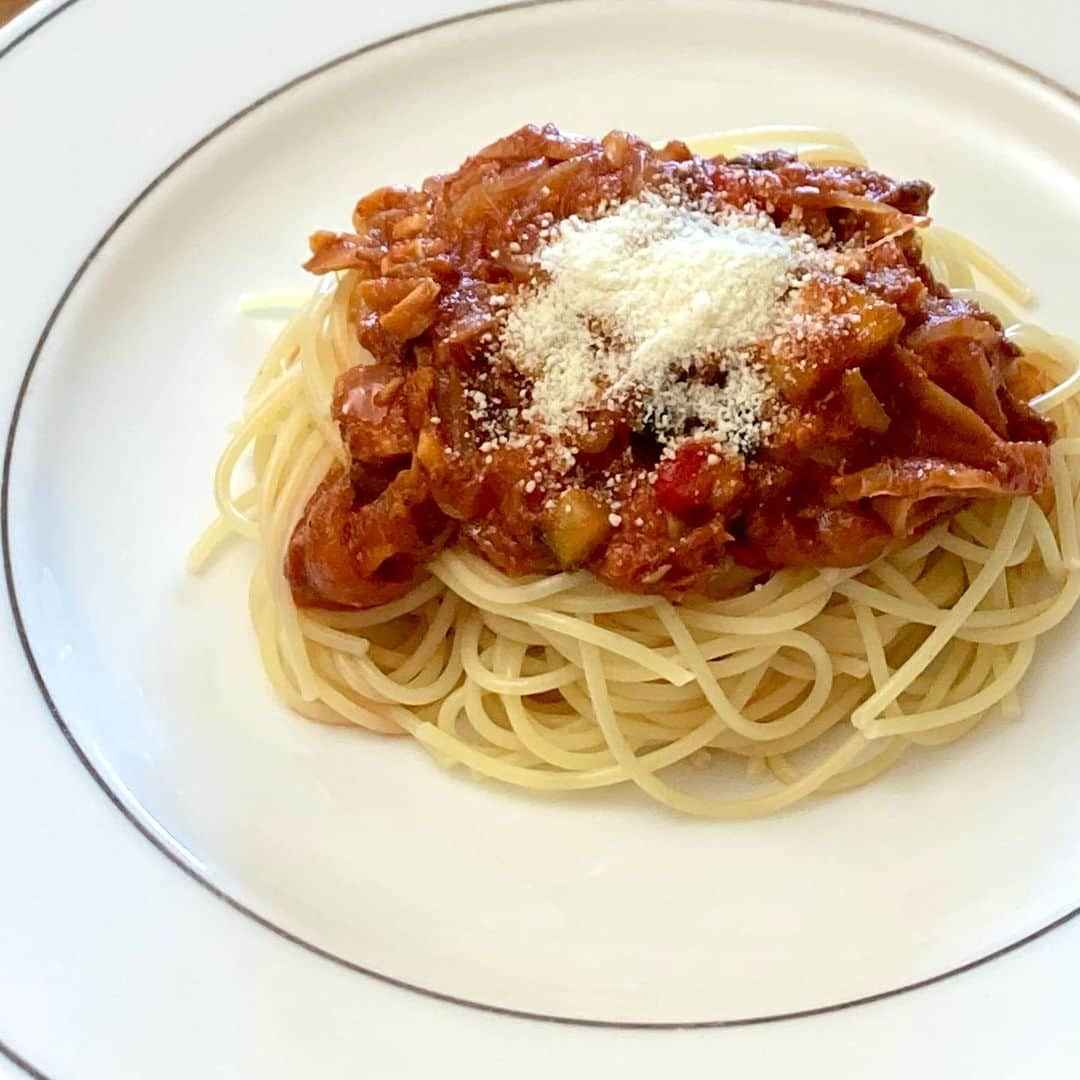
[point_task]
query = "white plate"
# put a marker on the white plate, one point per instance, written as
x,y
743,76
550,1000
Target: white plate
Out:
x,y
598,908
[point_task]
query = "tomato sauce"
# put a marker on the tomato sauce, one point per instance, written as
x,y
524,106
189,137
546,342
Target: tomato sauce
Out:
x,y
887,420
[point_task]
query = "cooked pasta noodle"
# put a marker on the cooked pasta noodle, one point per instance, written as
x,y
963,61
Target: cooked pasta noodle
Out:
x,y
818,680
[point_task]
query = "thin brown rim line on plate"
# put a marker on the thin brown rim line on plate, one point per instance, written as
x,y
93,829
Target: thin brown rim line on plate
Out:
x,y
34,26
20,1062
174,855
837,6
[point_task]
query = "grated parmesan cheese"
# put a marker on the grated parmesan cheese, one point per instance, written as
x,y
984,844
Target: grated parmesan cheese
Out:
x,y
658,306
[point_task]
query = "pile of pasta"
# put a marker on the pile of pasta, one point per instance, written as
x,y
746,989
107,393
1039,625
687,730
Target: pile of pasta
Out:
x,y
816,680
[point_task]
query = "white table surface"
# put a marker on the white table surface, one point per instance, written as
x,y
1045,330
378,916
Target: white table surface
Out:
x,y
112,962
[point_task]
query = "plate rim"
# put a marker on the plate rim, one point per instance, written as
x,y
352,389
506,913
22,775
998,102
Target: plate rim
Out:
x,y
837,7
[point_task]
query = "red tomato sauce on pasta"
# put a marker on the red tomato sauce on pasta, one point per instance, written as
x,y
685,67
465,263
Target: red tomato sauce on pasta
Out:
x,y
891,402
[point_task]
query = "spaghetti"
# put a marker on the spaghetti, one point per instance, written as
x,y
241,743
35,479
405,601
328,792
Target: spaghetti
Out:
x,y
818,680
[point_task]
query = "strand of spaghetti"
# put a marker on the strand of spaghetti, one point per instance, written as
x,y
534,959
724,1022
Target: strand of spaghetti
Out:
x,y
975,705
776,135
388,720
931,615
755,625
280,463
486,728
646,694
454,750
535,741
723,652
573,604
577,630
319,366
974,678
1067,389
945,262
745,659
630,660
875,651
279,357
799,599
897,581
989,302
920,548
999,597
369,682
333,639
1024,545
310,465
527,589
782,584
450,746
435,634
274,384
793,668
860,592
1069,446
991,268
942,736
756,769
811,143
369,617
828,154
670,717
717,809
837,626
266,634
707,728
946,629
319,389
973,522
219,530
768,710
716,697
576,732
454,568
347,347
856,669
1066,514
854,775
944,679
515,630
323,711
749,684
258,420
837,712
572,731
452,708
1036,340
936,577
391,644
524,685
1010,701
1044,620
975,553
407,686
394,657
